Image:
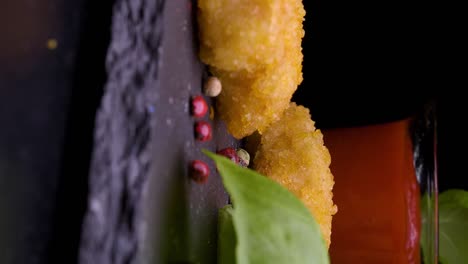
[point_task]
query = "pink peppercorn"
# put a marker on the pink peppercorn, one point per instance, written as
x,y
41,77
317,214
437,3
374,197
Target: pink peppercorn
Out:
x,y
199,107
199,171
229,153
203,131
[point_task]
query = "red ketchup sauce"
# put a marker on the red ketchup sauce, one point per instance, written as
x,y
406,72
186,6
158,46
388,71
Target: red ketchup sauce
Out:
x,y
377,194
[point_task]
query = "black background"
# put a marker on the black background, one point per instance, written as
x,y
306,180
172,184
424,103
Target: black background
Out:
x,y
48,99
376,61
365,62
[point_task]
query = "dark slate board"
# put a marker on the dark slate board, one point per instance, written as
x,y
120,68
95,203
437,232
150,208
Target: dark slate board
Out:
x,y
182,215
142,206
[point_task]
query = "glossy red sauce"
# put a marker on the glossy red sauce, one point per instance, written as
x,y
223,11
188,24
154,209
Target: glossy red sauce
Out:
x,y
378,219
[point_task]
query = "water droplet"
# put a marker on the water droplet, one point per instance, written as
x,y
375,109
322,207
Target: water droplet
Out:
x,y
171,100
168,121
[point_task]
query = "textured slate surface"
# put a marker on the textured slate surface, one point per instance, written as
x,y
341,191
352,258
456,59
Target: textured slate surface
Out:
x,y
113,227
142,206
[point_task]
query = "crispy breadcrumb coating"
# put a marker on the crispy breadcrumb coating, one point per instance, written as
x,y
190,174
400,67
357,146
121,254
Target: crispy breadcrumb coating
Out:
x,y
254,48
292,152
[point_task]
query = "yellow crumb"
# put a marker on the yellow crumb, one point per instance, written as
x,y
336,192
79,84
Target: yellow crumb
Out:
x,y
52,44
212,113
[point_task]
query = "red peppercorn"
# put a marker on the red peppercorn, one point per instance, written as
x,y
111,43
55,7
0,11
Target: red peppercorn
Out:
x,y
199,106
229,153
203,131
199,171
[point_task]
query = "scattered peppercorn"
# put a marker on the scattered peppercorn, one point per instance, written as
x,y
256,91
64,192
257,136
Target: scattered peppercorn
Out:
x,y
229,153
199,106
203,131
244,157
199,171
212,87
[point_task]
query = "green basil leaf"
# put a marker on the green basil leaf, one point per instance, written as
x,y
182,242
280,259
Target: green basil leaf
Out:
x,y
271,225
453,227
226,237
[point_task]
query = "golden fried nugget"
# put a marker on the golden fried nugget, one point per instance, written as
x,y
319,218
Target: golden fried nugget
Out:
x,y
254,48
247,34
292,152
251,101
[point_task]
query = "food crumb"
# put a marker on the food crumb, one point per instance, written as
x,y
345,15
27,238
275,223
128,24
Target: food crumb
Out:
x,y
212,113
52,44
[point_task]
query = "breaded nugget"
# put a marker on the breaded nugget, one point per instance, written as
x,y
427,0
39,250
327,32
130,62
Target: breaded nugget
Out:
x,y
254,48
251,101
247,34
292,152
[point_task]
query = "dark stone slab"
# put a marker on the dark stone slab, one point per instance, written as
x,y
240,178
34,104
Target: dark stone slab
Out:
x,y
143,207
114,225
182,215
